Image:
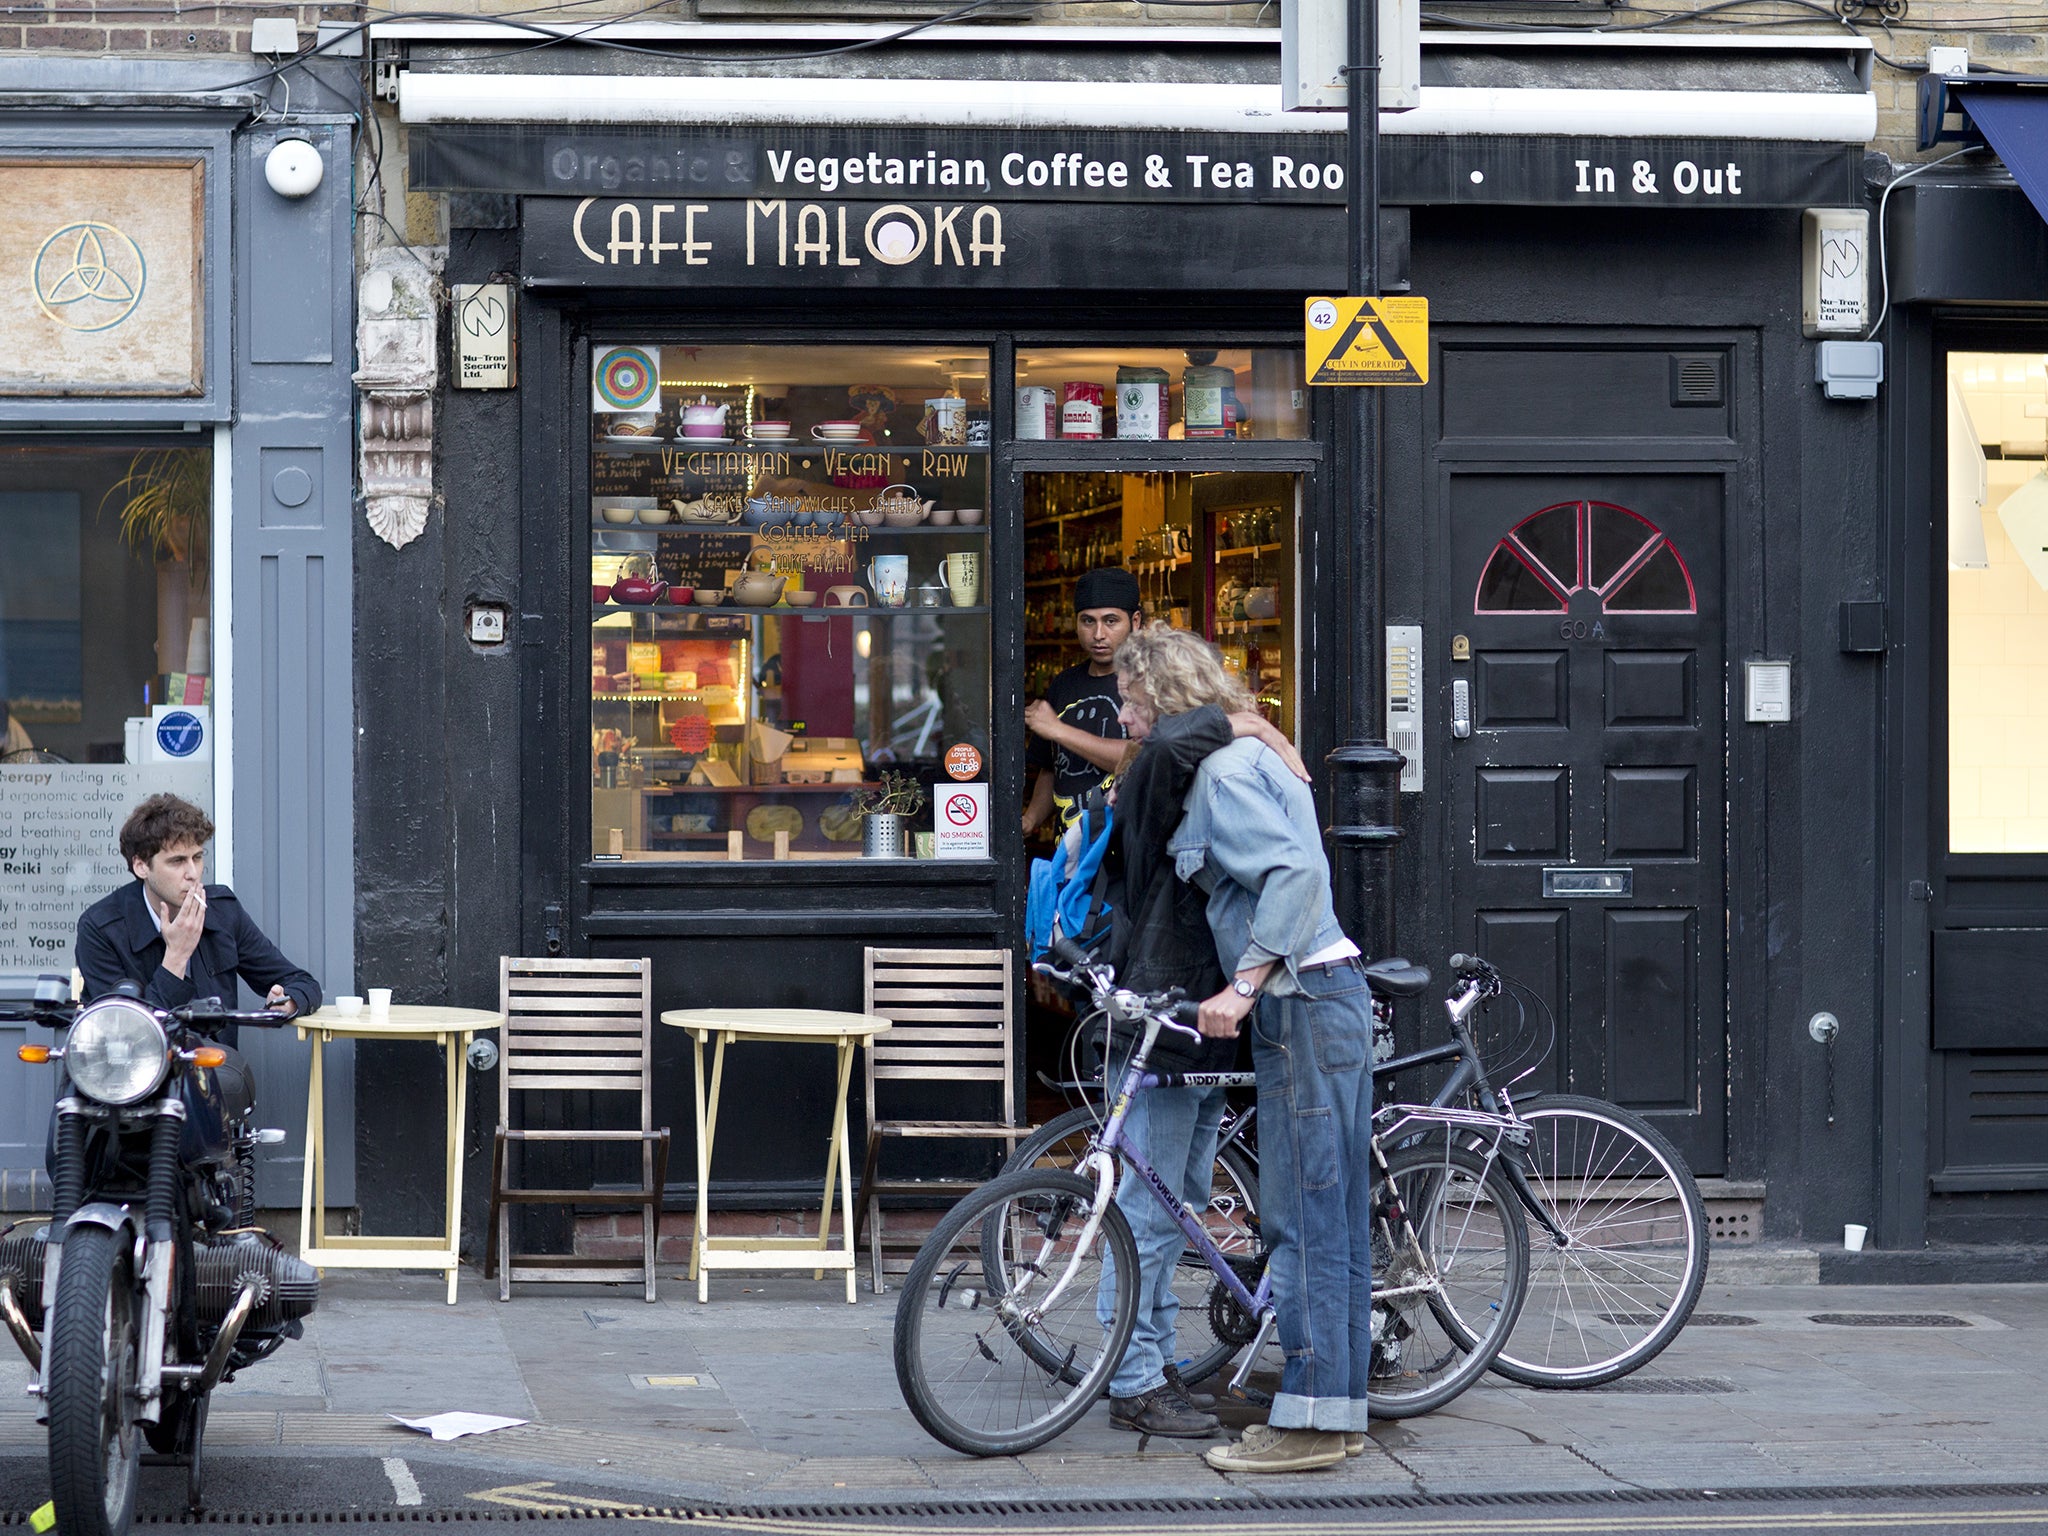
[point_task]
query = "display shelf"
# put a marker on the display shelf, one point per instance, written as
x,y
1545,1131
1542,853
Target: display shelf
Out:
x,y
727,530
791,445
1249,549
1056,518
639,698
1244,626
1159,567
753,789
729,611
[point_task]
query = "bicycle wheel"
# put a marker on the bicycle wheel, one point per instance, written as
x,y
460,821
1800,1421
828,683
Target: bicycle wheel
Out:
x,y
1211,1327
998,1346
1627,1275
1450,1264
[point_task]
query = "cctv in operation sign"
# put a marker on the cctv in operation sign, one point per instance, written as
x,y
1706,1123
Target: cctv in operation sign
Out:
x,y
1367,341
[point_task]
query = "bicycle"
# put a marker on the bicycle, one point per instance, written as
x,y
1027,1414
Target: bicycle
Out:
x,y
1620,1241
1018,1308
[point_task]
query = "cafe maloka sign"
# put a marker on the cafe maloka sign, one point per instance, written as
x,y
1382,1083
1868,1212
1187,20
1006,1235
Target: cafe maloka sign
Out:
x,y
933,242
940,166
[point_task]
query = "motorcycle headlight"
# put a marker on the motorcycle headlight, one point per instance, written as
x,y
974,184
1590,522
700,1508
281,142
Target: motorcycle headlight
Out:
x,y
117,1052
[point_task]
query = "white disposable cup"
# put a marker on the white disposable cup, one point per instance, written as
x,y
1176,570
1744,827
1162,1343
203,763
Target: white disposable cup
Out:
x,y
380,999
1853,1235
348,1006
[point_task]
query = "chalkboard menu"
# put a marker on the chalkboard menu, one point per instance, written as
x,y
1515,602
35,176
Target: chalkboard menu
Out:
x,y
700,559
60,826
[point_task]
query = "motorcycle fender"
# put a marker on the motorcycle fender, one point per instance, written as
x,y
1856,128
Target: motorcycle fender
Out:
x,y
123,1221
100,1213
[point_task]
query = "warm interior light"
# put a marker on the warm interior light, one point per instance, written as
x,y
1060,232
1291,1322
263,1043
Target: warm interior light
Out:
x,y
209,1056
34,1054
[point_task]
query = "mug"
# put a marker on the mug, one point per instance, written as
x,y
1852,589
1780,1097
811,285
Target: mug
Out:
x,y
961,572
945,421
845,597
978,431
889,575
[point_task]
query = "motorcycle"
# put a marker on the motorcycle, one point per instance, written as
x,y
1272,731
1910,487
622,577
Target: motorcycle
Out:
x,y
150,1285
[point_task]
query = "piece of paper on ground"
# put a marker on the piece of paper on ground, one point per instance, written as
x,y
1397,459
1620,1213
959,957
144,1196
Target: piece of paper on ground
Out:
x,y
453,1426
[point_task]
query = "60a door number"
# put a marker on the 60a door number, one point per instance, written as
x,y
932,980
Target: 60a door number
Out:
x,y
1582,629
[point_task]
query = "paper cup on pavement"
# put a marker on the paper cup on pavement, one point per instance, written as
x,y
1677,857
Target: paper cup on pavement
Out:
x,y
380,999
1852,1237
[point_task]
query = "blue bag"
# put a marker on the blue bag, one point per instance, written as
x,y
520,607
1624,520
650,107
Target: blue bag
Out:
x,y
1073,905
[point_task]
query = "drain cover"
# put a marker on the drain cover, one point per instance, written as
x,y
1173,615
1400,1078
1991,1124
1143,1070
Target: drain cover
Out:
x,y
1669,1386
1697,1320
1888,1320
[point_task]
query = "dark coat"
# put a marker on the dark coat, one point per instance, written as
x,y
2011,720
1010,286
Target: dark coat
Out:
x,y
1161,936
118,942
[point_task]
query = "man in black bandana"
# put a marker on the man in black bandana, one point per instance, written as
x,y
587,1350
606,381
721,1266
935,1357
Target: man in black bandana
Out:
x,y
1076,740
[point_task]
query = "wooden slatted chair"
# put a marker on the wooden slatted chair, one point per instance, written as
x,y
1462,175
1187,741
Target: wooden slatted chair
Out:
x,y
951,1017
585,1027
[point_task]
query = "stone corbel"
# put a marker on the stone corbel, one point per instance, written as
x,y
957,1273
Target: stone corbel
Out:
x,y
398,300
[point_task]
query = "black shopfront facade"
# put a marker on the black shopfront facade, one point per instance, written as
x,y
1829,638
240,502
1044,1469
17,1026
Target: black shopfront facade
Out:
x,y
1618,486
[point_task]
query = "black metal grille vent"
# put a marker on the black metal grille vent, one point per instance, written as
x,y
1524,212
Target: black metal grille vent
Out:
x,y
1696,378
1888,1320
1669,1386
1697,1320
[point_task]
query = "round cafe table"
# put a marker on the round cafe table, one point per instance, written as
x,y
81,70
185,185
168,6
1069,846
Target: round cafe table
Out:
x,y
452,1029
788,1026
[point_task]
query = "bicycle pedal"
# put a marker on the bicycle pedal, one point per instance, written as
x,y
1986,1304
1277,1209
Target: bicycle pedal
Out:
x,y
1251,1395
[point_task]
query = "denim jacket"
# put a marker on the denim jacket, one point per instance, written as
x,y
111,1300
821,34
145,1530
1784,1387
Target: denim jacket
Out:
x,y
1250,839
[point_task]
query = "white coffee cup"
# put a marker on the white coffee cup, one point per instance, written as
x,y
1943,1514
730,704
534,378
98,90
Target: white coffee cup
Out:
x,y
348,1007
1853,1236
380,999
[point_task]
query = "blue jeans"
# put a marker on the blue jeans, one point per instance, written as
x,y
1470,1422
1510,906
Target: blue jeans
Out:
x,y
1313,1055
1175,1130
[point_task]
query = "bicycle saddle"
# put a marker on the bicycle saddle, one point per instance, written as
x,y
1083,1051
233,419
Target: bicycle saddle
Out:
x,y
1397,978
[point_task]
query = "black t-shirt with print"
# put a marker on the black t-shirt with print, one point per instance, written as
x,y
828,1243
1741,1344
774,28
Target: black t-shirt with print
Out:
x,y
1089,703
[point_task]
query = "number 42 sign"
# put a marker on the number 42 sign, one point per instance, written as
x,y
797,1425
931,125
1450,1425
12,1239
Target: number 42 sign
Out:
x,y
1367,341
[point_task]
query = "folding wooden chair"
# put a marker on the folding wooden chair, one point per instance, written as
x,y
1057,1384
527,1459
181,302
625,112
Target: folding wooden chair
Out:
x,y
585,1027
951,1012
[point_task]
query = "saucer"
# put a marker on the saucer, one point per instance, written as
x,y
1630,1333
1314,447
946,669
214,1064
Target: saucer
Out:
x,y
712,441
644,442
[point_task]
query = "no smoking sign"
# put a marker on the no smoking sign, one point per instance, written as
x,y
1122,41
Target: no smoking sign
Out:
x,y
961,828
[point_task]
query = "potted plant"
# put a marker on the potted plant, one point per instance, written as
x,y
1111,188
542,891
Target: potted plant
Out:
x,y
883,808
165,503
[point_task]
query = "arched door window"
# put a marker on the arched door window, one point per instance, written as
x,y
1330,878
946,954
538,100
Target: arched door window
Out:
x,y
1585,545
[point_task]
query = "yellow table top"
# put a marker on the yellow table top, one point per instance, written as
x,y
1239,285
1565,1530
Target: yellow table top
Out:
x,y
776,1023
401,1022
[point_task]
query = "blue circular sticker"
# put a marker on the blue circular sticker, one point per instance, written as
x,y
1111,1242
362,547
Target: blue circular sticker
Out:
x,y
180,733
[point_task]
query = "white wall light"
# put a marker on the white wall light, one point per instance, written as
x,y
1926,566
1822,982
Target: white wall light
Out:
x,y
294,168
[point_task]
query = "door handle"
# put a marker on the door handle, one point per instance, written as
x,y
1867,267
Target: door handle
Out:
x,y
551,928
1461,708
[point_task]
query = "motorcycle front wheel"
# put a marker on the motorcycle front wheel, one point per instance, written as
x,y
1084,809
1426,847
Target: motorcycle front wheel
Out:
x,y
94,1449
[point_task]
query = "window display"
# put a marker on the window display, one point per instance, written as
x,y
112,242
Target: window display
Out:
x,y
1148,394
789,603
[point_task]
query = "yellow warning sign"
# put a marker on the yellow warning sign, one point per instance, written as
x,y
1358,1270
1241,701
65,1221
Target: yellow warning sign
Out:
x,y
1368,341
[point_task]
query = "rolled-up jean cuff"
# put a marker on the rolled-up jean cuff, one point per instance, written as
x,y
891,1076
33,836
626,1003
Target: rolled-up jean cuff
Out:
x,y
1331,1415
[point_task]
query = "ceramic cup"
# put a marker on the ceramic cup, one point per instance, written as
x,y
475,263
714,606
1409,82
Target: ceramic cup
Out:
x,y
348,1007
961,572
970,517
380,999
942,517
889,575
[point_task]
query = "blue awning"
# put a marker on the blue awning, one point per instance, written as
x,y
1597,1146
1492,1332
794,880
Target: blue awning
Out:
x,y
2014,121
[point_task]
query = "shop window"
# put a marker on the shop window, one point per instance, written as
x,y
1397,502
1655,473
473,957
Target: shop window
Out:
x,y
1142,394
790,577
1578,545
105,669
1997,620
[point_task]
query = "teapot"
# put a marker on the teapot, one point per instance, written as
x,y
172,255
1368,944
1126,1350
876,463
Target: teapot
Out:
x,y
703,511
639,590
758,589
704,419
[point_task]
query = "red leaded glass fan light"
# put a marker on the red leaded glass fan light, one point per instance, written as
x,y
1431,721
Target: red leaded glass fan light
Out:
x,y
1585,545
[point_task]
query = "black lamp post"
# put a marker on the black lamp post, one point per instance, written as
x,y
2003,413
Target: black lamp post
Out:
x,y
1365,796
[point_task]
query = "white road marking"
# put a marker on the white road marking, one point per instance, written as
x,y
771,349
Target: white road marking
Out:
x,y
403,1484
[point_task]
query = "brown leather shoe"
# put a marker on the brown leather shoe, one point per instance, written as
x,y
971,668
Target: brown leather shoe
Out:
x,y
1161,1412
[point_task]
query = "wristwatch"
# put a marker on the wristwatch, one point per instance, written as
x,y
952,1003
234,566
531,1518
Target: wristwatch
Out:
x,y
1243,988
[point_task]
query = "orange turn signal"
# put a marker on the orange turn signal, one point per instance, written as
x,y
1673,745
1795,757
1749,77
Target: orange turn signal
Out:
x,y
209,1056
36,1055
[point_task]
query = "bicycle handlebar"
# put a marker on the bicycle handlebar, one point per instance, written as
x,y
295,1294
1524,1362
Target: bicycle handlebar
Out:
x,y
1172,1007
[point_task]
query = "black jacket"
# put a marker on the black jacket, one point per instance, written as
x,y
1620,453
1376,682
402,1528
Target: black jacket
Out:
x,y
1161,934
118,942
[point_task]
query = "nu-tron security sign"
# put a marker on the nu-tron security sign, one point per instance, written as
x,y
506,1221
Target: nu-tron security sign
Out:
x,y
1368,341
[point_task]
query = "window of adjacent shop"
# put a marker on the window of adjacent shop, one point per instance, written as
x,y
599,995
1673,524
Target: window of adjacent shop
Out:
x,y
106,625
790,602
1997,602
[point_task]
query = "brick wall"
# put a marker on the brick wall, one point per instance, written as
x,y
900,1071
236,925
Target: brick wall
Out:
x,y
138,27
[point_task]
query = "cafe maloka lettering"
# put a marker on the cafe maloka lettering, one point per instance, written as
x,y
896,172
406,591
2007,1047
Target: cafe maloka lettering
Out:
x,y
928,242
783,233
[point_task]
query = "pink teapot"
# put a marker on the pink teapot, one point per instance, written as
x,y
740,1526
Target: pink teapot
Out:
x,y
639,590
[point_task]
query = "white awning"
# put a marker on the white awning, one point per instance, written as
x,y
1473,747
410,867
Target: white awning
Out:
x,y
1834,117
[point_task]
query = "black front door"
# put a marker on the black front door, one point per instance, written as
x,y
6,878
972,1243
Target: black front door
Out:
x,y
1587,802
